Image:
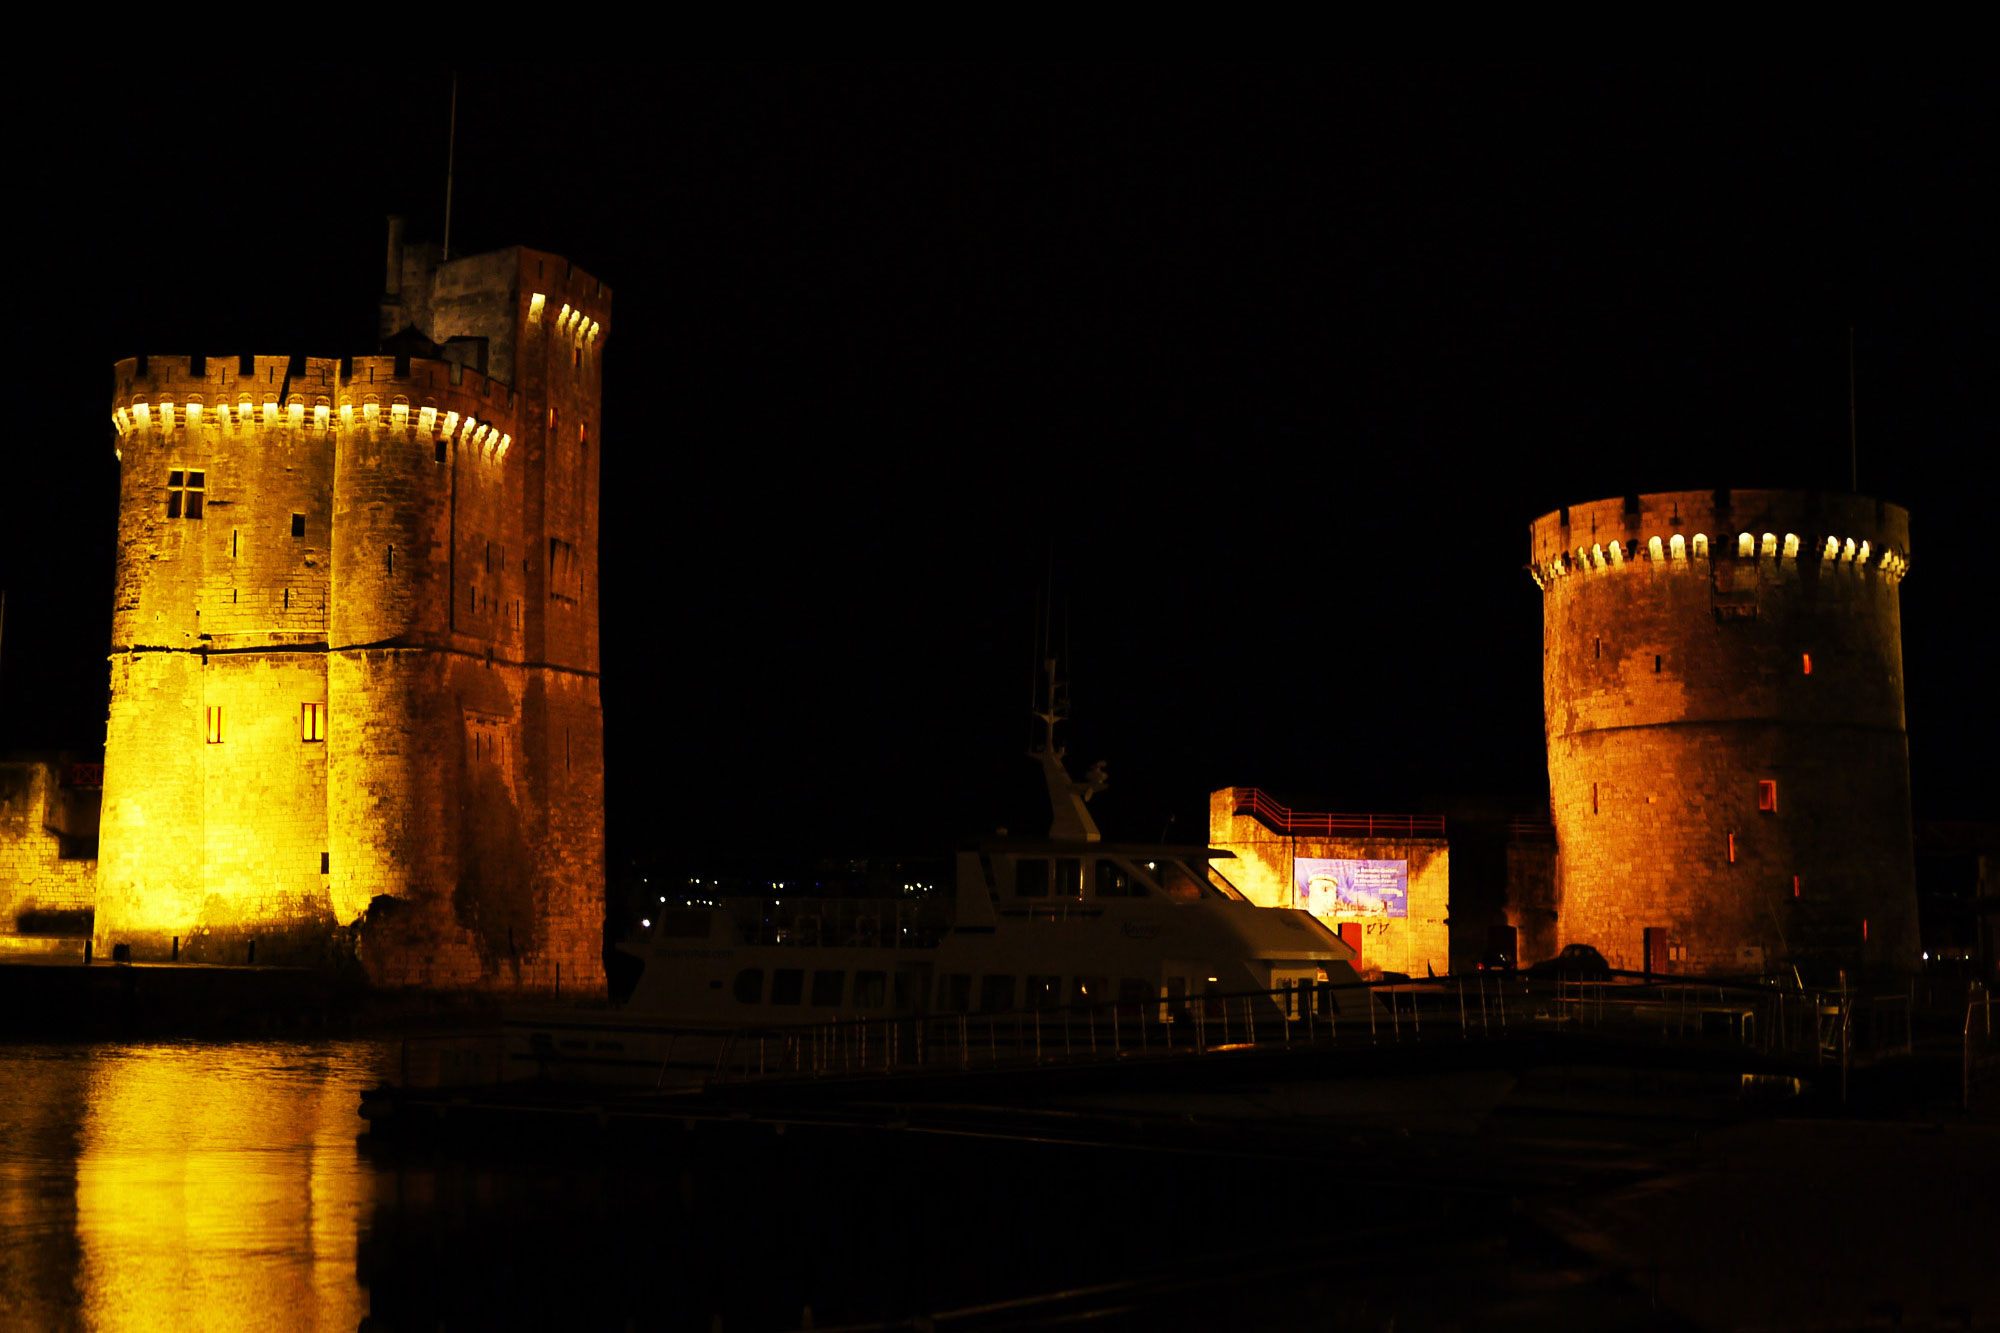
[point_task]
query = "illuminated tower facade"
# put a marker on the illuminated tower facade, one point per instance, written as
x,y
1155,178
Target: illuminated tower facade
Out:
x,y
354,668
1722,678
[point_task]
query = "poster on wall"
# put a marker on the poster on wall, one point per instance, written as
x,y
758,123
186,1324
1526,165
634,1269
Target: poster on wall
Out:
x,y
1352,890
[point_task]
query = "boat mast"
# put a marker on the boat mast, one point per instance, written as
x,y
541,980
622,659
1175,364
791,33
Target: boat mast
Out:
x,y
1068,798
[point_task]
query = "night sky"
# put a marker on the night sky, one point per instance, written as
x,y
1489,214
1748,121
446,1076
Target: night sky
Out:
x,y
1263,373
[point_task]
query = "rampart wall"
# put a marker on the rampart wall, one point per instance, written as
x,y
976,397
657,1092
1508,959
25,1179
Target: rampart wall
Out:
x,y
1264,871
1723,692
48,851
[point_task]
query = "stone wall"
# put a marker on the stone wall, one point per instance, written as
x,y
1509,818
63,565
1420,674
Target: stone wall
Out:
x,y
1534,908
214,822
1263,870
48,851
1728,767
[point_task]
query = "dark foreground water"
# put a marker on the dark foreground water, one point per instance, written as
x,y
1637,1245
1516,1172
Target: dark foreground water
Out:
x,y
183,1186
223,1186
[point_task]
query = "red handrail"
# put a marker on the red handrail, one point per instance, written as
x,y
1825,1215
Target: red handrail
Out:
x,y
1286,820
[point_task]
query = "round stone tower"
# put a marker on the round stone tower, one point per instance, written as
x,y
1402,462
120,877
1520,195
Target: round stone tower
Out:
x,y
1722,682
354,668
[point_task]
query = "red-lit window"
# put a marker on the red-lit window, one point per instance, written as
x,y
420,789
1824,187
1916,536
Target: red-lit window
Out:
x,y
1732,849
1795,886
215,724
1767,796
312,722
1808,664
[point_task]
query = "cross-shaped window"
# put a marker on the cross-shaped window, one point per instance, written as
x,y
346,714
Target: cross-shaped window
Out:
x,y
184,492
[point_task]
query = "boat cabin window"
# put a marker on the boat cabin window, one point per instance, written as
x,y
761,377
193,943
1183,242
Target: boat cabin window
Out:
x,y
1091,990
1033,877
684,923
870,988
788,985
827,987
1044,992
1177,880
996,994
1114,880
954,993
750,985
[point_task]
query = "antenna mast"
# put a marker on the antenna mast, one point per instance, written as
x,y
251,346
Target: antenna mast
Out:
x,y
1853,435
450,154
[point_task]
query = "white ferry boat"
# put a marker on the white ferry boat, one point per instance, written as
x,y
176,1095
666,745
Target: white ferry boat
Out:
x,y
1067,922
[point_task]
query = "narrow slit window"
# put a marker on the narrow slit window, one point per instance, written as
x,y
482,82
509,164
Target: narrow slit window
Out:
x,y
312,722
232,543
1593,798
390,557
326,863
1795,886
1656,663
1732,849
437,450
1597,648
288,599
1806,661
214,732
298,525
1767,795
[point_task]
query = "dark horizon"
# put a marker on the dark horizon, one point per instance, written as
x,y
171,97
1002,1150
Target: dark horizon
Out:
x,y
1274,370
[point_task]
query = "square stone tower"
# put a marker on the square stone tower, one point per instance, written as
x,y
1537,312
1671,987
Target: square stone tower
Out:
x,y
354,695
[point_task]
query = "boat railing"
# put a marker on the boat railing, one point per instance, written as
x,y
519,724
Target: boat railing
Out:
x,y
1786,1025
1796,1030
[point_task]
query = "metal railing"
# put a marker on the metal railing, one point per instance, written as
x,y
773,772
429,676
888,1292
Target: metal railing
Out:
x,y
1981,1054
1795,1027
1286,820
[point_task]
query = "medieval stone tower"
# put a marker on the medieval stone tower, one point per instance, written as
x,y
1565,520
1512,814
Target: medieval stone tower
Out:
x,y
1722,678
354,663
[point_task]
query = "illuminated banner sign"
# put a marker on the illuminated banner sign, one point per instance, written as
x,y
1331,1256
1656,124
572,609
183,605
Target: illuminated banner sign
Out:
x,y
1352,890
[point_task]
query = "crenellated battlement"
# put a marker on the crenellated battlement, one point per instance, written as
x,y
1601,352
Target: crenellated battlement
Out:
x,y
314,397
1681,529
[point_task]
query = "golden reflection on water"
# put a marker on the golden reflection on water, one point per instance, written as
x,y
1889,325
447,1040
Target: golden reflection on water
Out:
x,y
183,1186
